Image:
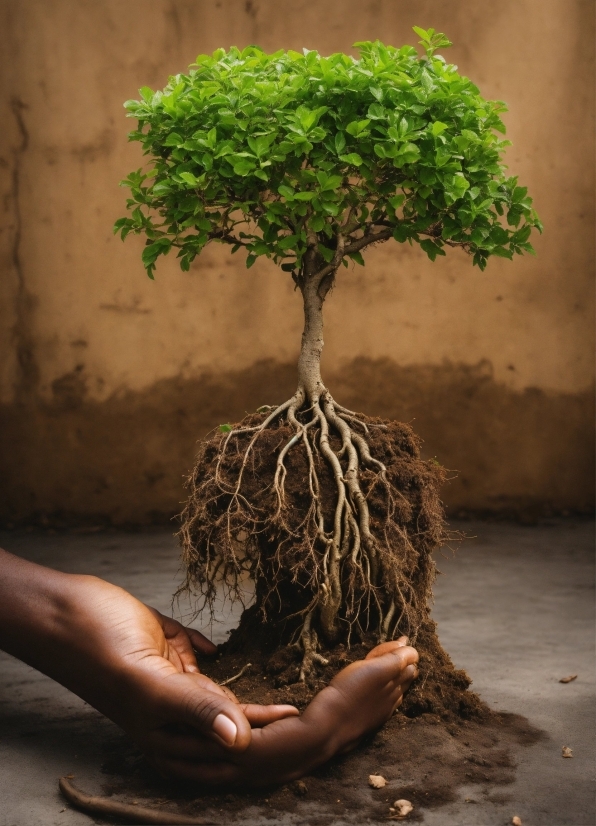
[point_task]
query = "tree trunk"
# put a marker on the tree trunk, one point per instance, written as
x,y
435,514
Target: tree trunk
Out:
x,y
314,290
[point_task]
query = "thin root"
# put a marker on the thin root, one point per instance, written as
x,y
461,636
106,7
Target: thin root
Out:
x,y
237,676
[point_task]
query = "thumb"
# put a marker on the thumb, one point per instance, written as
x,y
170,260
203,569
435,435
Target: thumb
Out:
x,y
188,699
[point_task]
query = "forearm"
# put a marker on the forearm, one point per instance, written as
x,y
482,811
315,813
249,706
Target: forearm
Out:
x,y
32,602
39,624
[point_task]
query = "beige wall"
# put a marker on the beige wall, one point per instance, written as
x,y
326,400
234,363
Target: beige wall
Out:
x,y
107,379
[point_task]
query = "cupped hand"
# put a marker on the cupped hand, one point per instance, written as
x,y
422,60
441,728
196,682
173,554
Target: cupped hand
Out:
x,y
139,668
357,701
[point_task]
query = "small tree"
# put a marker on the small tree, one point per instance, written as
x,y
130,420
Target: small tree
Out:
x,y
308,160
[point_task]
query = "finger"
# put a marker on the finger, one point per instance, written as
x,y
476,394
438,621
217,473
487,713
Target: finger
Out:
x,y
259,716
409,674
373,674
393,655
186,641
200,642
187,698
180,645
180,650
386,648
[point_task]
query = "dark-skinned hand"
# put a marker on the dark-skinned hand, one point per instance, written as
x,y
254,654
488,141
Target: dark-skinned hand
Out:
x,y
139,669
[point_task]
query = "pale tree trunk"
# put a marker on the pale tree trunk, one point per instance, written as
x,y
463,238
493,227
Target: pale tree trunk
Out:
x,y
314,290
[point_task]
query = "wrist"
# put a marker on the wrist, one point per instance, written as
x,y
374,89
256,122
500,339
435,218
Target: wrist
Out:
x,y
32,606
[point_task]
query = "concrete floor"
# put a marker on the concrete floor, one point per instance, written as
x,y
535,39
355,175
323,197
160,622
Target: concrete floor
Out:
x,y
515,608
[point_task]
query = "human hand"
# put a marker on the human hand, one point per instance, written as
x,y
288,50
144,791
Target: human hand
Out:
x,y
138,668
131,663
150,681
357,701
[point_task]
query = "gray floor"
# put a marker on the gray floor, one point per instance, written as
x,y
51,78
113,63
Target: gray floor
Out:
x,y
515,608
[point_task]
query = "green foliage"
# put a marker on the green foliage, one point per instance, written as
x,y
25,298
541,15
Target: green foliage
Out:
x,y
273,153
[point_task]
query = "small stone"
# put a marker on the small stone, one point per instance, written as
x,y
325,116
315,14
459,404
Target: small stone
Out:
x,y
568,679
566,752
401,809
516,820
300,788
376,781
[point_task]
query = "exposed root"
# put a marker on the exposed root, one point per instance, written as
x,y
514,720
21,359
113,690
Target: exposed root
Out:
x,y
310,644
237,676
94,805
344,549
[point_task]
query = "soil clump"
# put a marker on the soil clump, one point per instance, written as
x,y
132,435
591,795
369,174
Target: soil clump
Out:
x,y
336,531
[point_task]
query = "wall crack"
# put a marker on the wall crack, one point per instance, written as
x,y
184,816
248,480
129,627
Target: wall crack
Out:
x,y
28,372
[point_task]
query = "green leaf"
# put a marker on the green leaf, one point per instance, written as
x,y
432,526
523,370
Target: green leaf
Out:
x,y
325,253
288,242
329,182
519,193
353,158
189,178
438,127
431,249
357,257
340,142
173,139
317,222
376,112
243,167
226,428
401,233
501,252
357,127
396,201
422,33
286,191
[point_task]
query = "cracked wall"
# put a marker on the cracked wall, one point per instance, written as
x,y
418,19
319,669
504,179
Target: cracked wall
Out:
x,y
107,379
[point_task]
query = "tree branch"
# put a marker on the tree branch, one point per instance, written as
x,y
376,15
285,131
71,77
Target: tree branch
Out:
x,y
370,238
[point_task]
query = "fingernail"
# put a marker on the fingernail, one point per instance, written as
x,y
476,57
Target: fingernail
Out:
x,y
225,729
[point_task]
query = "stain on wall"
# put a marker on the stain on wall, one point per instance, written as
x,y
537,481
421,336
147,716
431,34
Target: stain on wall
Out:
x,y
124,460
107,379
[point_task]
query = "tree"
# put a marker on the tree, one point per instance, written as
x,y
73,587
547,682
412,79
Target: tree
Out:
x,y
309,160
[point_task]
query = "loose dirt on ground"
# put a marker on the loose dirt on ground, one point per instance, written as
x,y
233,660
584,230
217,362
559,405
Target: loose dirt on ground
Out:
x,y
425,758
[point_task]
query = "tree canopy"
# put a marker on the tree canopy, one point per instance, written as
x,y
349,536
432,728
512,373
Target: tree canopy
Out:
x,y
276,153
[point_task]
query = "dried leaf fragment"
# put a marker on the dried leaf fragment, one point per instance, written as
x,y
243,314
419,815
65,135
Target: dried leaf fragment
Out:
x,y
568,679
400,809
376,781
566,752
516,820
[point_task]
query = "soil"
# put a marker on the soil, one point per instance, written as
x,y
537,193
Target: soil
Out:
x,y
440,689
424,758
443,737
